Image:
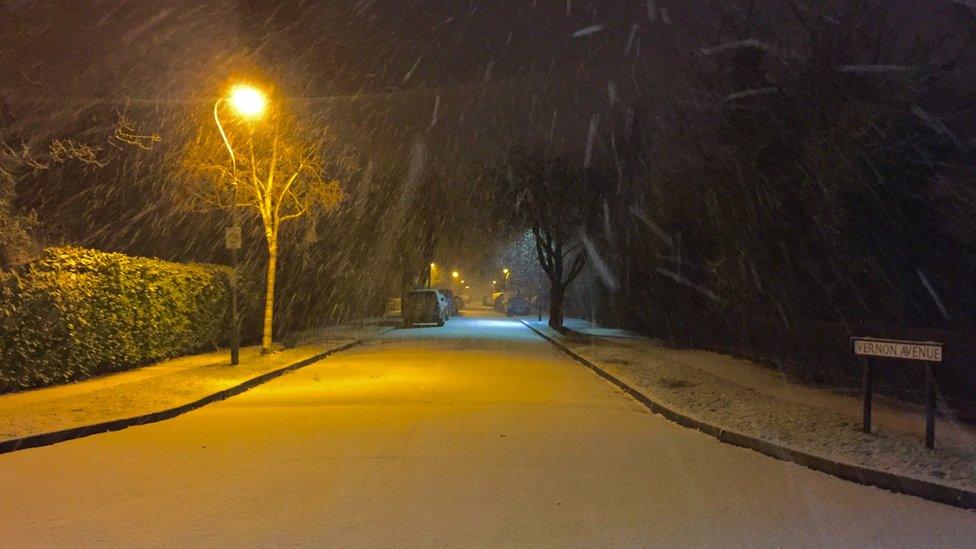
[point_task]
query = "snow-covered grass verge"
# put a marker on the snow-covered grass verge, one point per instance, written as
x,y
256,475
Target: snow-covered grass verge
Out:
x,y
652,369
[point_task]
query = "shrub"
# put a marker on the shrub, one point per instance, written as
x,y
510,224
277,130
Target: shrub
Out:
x,y
76,313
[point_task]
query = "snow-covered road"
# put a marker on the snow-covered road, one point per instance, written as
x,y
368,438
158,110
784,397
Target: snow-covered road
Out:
x,y
477,434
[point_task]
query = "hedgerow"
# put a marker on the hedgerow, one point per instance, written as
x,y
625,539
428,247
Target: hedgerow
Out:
x,y
76,313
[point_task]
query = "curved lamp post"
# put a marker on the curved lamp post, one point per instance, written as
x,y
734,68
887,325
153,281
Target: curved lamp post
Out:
x,y
249,104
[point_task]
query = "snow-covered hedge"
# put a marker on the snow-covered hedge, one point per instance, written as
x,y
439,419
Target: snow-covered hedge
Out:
x,y
76,313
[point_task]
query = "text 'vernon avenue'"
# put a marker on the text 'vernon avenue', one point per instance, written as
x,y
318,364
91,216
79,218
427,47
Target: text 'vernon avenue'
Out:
x,y
905,350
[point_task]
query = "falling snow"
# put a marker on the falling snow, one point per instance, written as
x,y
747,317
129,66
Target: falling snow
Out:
x,y
765,178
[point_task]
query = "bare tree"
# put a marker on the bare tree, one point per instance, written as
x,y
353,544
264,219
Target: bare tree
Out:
x,y
280,176
558,201
27,157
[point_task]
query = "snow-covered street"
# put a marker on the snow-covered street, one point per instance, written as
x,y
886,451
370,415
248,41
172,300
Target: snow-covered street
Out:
x,y
476,434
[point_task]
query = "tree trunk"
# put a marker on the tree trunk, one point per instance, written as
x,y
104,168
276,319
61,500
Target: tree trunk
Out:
x,y
556,307
269,298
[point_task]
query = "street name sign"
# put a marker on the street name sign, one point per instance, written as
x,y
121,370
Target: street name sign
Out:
x,y
928,351
870,349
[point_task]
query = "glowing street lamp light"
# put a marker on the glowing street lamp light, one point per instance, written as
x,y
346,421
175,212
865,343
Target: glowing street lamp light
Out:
x,y
455,274
248,103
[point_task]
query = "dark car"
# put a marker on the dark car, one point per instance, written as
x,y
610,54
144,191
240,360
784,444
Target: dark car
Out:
x,y
424,307
517,306
452,304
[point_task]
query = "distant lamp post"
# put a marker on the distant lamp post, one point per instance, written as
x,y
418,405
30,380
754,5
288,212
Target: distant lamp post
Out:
x,y
248,103
455,274
506,272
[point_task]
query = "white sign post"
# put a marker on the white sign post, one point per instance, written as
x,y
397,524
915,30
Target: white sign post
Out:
x,y
872,349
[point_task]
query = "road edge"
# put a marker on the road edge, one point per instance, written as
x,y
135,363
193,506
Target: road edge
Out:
x,y
54,437
940,493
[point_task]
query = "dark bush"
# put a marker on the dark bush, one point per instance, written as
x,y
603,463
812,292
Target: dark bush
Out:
x,y
76,313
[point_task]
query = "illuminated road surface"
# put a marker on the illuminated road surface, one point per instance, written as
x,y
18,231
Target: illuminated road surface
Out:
x,y
477,434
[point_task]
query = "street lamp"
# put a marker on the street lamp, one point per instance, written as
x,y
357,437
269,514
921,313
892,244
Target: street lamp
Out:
x,y
455,274
248,103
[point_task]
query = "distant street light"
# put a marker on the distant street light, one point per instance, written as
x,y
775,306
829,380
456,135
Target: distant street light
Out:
x,y
248,103
455,274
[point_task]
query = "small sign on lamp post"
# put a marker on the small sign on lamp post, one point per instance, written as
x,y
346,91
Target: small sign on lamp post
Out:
x,y
232,238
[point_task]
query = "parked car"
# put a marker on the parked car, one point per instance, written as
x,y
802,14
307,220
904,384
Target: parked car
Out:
x,y
442,299
452,302
517,306
459,303
424,307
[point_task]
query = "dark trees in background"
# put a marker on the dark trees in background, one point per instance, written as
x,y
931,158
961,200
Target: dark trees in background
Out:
x,y
525,275
421,217
76,158
16,242
817,168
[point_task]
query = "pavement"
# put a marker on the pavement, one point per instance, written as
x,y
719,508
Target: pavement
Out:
x,y
477,434
161,386
157,387
887,412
